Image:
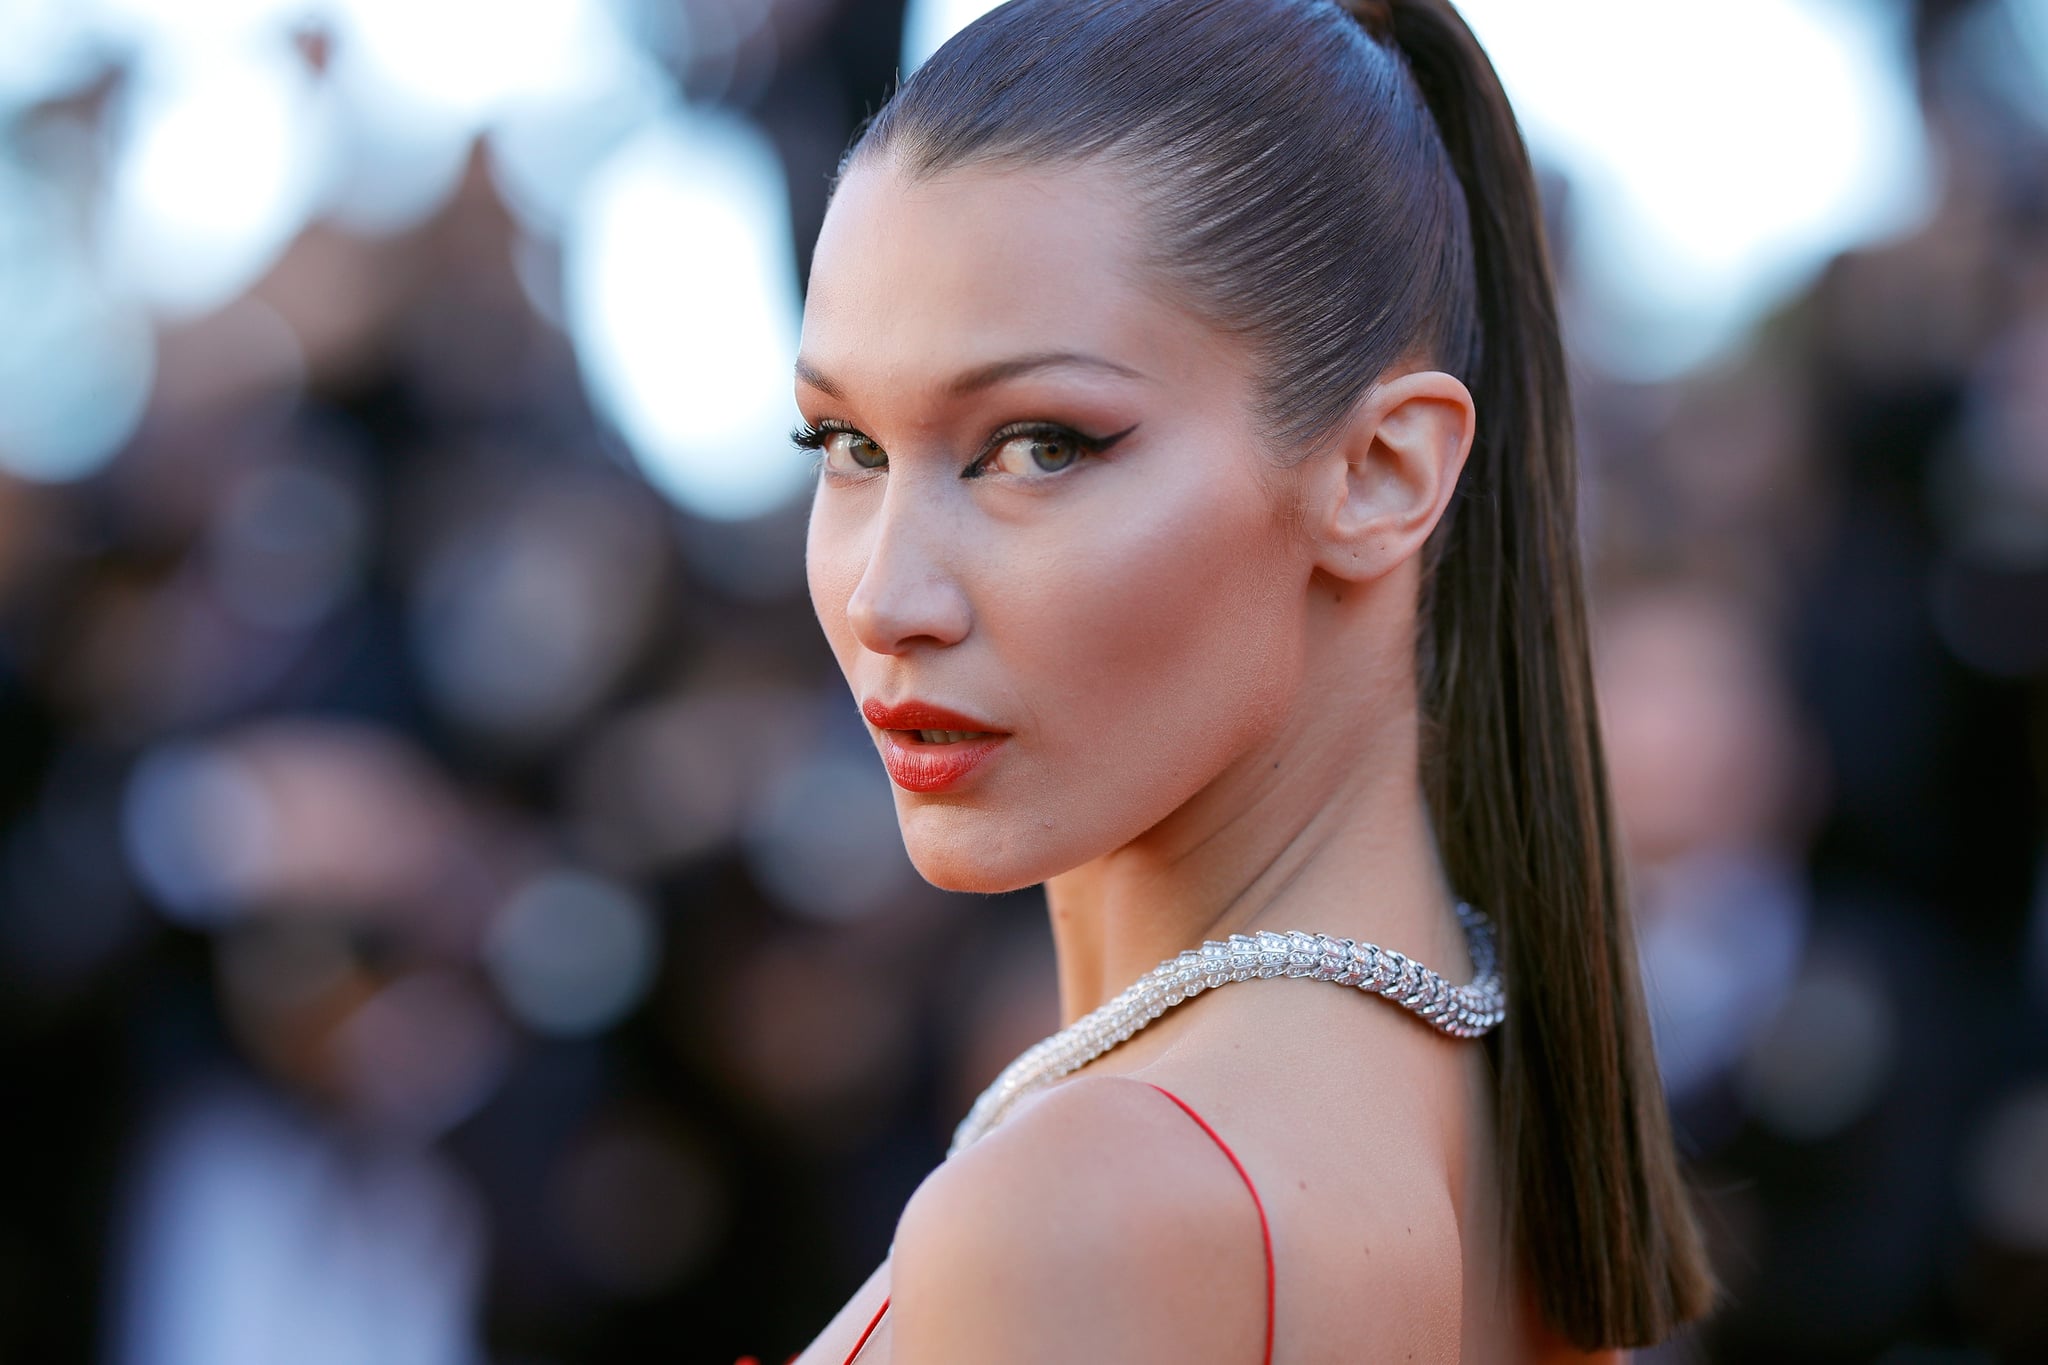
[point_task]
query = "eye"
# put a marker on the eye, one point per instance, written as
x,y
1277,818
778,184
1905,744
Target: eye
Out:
x,y
1029,449
1046,450
864,453
837,443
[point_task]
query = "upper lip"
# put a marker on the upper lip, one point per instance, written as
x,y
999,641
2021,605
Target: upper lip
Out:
x,y
914,714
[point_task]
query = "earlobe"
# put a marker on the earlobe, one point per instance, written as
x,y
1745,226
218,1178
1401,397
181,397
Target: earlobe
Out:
x,y
1383,483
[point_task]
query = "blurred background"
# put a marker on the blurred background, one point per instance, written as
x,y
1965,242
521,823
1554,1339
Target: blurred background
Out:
x,y
450,910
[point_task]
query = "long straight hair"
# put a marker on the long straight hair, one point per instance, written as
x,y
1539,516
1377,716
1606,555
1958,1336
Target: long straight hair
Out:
x,y
1343,185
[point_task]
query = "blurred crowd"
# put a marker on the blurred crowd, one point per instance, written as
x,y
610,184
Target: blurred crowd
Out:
x,y
450,910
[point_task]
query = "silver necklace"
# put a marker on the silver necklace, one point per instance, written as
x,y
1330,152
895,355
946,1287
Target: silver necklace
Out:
x,y
1462,1011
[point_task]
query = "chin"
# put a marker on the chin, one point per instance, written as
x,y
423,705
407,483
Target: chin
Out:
x,y
950,849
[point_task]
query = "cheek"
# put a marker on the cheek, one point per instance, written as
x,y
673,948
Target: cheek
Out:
x,y
1163,639
833,571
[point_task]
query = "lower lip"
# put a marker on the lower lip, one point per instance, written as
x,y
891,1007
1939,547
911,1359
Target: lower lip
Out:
x,y
922,767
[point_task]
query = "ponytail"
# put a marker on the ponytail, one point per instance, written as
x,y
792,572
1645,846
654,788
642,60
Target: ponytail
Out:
x,y
1516,776
1344,190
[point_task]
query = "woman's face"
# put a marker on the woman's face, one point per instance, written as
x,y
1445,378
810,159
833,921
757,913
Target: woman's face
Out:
x,y
1043,505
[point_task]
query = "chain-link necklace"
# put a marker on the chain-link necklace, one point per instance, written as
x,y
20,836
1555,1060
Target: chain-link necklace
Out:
x,y
1462,1011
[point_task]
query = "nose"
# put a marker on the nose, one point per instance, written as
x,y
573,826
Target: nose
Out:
x,y
907,593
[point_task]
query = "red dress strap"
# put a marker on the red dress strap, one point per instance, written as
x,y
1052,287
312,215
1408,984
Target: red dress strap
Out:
x,y
1265,1233
873,1323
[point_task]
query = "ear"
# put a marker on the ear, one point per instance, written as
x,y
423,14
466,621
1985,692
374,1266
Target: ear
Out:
x,y
1375,491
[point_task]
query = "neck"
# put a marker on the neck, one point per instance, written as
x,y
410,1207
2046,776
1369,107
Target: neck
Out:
x,y
1325,829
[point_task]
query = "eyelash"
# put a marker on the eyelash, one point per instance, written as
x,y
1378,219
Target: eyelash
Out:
x,y
808,436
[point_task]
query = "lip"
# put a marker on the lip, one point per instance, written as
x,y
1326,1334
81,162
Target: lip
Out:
x,y
914,714
920,767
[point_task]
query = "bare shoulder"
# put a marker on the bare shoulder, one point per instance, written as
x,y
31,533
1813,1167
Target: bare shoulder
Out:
x,y
1098,1223
1368,1139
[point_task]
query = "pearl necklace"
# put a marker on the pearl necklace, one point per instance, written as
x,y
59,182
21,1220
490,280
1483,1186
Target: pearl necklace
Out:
x,y
1462,1011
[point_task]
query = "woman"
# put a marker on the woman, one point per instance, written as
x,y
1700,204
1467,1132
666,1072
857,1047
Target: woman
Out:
x,y
1195,527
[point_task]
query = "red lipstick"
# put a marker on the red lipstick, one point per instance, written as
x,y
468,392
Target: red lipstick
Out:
x,y
919,766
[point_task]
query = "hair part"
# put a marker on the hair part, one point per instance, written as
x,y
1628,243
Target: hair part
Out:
x,y
1343,189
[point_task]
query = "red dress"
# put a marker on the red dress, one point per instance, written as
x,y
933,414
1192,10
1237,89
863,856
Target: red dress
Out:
x,y
1265,1234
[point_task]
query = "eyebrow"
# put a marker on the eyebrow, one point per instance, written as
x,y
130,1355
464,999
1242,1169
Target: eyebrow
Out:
x,y
987,376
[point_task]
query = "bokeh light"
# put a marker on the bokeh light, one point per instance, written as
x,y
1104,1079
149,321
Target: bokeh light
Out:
x,y
198,831
572,953
1702,196
76,358
928,23
224,157
683,303
824,841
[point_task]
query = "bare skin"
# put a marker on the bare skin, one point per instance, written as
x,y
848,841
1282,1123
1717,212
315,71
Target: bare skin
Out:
x,y
1204,661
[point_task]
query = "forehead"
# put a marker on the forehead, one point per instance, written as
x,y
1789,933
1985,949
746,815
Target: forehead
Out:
x,y
922,277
